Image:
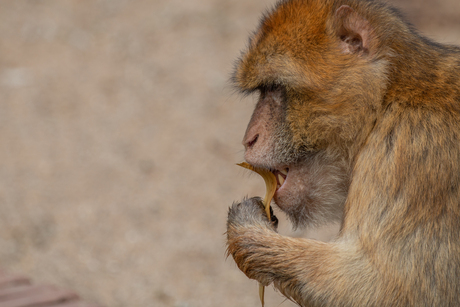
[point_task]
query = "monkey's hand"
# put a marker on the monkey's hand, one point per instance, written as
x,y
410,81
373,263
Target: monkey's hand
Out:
x,y
248,236
290,263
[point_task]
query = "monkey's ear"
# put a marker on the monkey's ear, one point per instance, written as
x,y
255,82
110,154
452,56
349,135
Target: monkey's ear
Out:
x,y
353,31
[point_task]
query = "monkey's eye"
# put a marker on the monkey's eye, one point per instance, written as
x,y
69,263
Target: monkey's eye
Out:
x,y
275,92
269,87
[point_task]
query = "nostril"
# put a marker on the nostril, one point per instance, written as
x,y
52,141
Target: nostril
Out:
x,y
253,141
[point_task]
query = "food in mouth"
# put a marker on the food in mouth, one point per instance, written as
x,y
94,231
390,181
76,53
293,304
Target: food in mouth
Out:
x,y
272,183
280,176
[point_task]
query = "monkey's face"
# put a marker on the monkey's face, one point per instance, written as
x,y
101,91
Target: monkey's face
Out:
x,y
315,78
312,185
292,132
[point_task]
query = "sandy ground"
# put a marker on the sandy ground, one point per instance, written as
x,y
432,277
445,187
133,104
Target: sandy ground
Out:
x,y
119,133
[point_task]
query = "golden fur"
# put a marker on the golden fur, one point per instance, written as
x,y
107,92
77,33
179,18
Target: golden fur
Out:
x,y
370,109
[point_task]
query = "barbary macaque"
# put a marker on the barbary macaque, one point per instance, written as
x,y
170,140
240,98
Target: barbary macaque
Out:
x,y
359,119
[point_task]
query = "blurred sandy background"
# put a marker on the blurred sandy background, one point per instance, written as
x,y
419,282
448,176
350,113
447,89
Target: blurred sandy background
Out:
x,y
118,138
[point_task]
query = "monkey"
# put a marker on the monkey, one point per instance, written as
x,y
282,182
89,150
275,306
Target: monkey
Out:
x,y
358,116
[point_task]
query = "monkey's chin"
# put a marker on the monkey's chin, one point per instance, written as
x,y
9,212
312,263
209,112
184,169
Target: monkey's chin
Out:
x,y
311,193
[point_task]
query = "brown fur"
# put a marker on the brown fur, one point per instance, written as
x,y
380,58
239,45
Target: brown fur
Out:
x,y
365,113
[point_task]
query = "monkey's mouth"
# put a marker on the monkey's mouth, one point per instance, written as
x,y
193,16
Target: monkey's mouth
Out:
x,y
280,177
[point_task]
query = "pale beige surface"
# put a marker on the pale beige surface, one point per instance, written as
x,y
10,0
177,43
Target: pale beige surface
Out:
x,y
119,133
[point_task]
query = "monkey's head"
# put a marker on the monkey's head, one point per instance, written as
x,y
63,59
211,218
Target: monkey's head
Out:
x,y
320,70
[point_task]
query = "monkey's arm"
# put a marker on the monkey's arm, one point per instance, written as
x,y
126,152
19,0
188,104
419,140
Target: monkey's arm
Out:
x,y
308,271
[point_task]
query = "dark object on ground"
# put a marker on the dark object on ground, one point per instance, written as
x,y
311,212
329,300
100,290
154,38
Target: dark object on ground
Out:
x,y
18,291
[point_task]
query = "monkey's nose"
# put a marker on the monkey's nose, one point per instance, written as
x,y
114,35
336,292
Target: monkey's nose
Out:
x,y
249,142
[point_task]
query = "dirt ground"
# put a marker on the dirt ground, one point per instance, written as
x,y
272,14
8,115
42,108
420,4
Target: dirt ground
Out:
x,y
119,135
